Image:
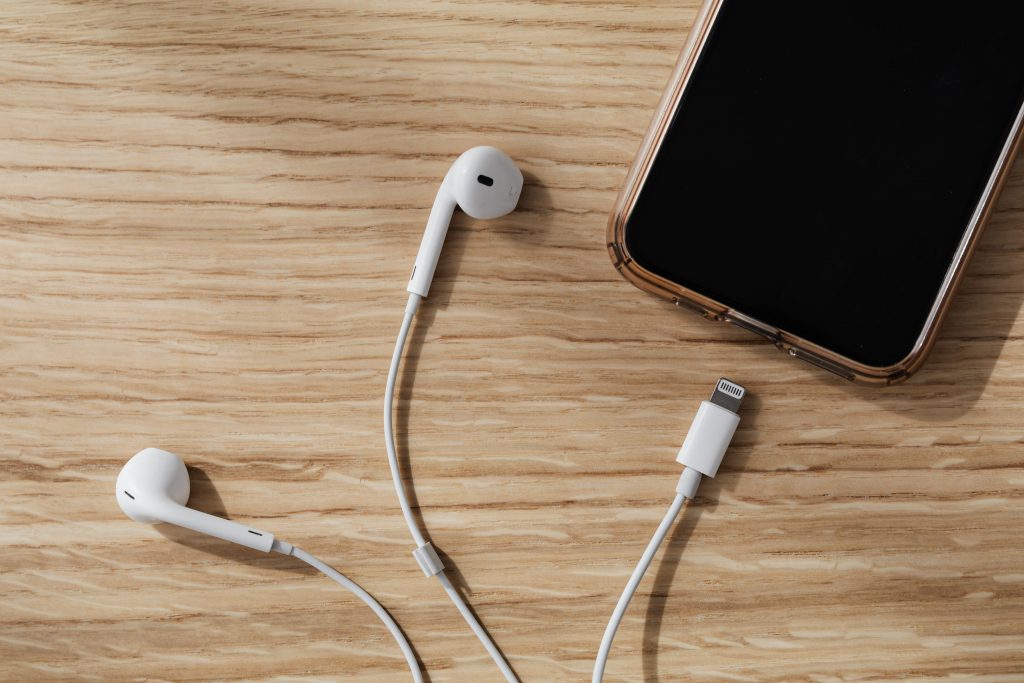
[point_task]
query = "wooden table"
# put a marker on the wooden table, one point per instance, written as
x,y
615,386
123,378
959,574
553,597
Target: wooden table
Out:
x,y
208,212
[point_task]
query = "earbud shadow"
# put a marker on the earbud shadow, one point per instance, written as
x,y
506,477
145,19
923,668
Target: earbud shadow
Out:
x,y
533,216
707,499
204,497
528,223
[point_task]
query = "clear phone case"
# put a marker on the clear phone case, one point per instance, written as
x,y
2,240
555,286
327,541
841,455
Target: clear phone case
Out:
x,y
794,345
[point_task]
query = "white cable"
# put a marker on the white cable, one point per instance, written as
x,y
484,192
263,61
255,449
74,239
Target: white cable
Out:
x,y
389,434
432,565
478,629
701,455
357,590
634,581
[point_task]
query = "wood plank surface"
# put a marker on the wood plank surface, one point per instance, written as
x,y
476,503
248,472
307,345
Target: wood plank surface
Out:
x,y
208,212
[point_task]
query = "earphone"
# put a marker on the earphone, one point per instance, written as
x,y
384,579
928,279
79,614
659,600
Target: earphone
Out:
x,y
485,183
154,485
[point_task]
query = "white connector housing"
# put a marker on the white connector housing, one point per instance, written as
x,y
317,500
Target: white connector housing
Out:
x,y
708,438
428,559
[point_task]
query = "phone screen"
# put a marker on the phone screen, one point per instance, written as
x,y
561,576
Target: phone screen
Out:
x,y
826,159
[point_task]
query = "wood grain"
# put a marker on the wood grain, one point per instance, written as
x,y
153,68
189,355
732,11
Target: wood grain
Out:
x,y
207,216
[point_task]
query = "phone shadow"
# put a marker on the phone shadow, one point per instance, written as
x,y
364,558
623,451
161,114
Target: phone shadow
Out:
x,y
977,328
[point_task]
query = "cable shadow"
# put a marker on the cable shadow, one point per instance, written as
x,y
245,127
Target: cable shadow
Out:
x,y
439,299
205,498
534,195
440,296
454,574
663,581
707,499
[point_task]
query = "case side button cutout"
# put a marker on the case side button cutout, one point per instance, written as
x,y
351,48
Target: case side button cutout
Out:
x,y
823,363
619,260
755,326
686,303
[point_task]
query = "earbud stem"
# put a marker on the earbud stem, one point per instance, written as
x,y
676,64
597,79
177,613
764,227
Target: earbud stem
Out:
x,y
433,241
179,515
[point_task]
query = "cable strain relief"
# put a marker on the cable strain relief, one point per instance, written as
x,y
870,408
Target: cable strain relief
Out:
x,y
689,480
413,304
283,547
428,560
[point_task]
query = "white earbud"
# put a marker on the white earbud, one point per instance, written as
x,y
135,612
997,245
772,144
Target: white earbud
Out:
x,y
153,487
485,183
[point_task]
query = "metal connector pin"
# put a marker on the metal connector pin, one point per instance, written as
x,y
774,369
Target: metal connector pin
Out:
x,y
728,395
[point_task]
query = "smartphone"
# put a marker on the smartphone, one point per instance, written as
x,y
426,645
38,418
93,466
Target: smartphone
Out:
x,y
820,172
